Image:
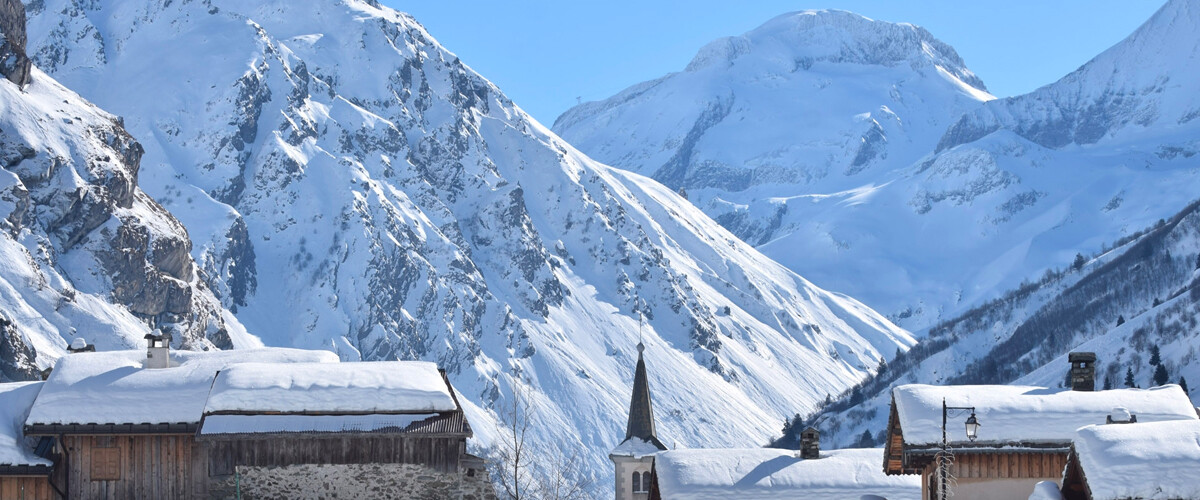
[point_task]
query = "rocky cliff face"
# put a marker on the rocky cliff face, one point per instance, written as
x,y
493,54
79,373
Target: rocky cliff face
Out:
x,y
85,251
14,63
349,184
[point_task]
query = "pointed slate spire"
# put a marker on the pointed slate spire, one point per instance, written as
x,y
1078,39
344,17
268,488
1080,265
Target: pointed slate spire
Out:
x,y
641,409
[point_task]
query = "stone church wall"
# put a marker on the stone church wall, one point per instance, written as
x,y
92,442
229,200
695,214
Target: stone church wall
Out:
x,y
312,481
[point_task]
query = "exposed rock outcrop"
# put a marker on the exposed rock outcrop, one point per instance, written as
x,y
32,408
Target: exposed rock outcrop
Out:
x,y
14,64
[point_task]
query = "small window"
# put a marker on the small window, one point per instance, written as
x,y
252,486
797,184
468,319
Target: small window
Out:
x,y
106,464
641,482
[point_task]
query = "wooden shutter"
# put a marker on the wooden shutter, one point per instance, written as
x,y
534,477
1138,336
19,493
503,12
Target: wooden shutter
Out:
x,y
106,464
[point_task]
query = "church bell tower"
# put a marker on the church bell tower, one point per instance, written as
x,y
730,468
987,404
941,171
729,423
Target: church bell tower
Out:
x,y
634,457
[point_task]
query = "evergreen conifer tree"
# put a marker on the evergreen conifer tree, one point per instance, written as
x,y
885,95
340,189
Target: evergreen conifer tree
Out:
x,y
1120,320
1183,385
1160,375
1155,358
865,441
1129,377
1108,382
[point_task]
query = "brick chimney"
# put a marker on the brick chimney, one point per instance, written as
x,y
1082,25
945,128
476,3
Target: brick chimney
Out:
x,y
1083,371
810,443
158,350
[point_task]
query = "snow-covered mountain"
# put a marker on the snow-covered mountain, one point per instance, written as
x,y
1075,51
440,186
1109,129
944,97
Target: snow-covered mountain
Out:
x,y
1119,134
82,248
790,134
349,184
979,202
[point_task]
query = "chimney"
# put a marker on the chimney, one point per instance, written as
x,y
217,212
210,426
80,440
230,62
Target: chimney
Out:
x,y
810,443
1083,371
80,345
1121,416
158,350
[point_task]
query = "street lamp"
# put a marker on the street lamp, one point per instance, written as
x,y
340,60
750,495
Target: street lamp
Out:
x,y
972,428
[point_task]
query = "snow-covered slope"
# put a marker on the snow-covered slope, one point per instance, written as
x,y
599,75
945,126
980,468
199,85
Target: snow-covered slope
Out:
x,y
1141,295
82,249
1014,187
350,184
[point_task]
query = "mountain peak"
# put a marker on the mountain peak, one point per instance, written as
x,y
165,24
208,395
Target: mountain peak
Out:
x,y
803,38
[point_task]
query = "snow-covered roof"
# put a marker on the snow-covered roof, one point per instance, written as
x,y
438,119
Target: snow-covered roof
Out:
x,y
1150,461
15,400
636,447
361,387
761,473
1010,414
112,387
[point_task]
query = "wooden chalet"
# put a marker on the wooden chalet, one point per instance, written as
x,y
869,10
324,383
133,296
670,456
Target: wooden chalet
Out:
x,y
261,417
1024,437
183,424
1134,461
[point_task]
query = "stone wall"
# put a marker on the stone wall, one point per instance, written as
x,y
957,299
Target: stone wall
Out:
x,y
311,481
624,469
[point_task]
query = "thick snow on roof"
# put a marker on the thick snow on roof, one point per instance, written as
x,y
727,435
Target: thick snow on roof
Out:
x,y
360,387
635,447
761,473
1144,460
15,400
269,424
112,387
1024,414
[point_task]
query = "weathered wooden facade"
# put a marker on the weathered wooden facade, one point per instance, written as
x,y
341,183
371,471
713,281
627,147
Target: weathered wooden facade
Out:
x,y
130,466
441,454
1009,469
1074,485
26,488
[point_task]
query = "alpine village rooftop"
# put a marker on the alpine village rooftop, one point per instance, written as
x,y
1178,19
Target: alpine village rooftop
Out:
x,y
234,424
980,442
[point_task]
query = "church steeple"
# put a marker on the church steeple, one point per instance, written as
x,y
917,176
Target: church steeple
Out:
x,y
641,408
633,459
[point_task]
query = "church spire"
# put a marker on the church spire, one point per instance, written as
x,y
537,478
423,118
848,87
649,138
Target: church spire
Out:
x,y
641,409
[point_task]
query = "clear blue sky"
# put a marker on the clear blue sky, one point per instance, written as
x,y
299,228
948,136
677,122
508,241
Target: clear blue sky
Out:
x,y
545,53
